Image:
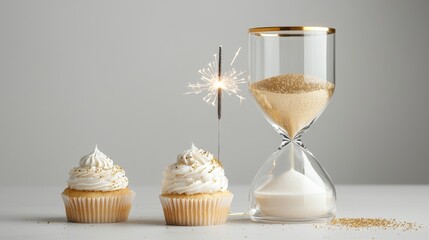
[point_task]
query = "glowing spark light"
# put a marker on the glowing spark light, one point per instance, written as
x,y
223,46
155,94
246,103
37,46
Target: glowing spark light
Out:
x,y
211,83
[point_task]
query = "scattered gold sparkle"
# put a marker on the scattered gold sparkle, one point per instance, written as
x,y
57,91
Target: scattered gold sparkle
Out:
x,y
369,223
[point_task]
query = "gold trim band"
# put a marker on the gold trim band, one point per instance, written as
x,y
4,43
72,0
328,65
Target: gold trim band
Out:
x,y
291,28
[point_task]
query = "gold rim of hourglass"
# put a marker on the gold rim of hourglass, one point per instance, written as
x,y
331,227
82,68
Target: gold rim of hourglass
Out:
x,y
274,31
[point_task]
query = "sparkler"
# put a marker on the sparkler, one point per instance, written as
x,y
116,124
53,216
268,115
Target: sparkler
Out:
x,y
214,82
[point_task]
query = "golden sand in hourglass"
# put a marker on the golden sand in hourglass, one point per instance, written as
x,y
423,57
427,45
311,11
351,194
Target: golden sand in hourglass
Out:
x,y
292,101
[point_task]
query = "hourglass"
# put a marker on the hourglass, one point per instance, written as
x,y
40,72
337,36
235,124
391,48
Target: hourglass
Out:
x,y
292,78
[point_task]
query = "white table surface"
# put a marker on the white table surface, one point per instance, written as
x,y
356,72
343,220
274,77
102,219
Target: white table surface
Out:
x,y
38,213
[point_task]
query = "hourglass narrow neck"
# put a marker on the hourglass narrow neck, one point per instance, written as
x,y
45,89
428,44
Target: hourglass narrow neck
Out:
x,y
286,140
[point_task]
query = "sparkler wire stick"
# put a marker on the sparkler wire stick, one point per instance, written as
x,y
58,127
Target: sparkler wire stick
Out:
x,y
219,90
219,101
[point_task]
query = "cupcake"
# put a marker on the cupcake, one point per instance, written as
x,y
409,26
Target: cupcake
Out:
x,y
194,190
97,191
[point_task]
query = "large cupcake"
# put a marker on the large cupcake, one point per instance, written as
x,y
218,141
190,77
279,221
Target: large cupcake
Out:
x,y
97,191
194,190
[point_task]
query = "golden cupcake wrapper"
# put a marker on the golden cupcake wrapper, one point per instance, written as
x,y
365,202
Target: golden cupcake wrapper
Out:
x,y
107,209
196,211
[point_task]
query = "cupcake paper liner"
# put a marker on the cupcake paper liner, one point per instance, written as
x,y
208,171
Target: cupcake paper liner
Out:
x,y
196,211
106,209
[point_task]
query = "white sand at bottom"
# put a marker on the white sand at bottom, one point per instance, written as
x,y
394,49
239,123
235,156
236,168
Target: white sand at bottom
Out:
x,y
292,195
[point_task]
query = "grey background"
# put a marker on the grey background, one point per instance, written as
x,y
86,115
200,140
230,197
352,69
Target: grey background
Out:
x,y
77,73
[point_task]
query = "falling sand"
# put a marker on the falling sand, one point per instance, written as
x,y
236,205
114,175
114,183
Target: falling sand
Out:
x,y
292,101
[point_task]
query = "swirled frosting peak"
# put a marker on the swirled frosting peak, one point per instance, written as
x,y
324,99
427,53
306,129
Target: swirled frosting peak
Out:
x,y
96,159
195,171
96,172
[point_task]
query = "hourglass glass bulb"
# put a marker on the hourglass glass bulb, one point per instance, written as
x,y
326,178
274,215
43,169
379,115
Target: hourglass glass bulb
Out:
x,y
292,101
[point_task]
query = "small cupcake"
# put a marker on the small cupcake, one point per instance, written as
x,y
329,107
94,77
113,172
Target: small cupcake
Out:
x,y
97,191
194,190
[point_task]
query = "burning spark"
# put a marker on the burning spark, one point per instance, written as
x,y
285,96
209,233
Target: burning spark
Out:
x,y
211,83
235,56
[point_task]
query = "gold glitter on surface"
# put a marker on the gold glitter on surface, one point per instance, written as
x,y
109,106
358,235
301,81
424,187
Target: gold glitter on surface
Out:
x,y
369,223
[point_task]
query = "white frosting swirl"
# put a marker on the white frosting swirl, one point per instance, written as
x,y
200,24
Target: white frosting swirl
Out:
x,y
195,171
96,159
96,172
